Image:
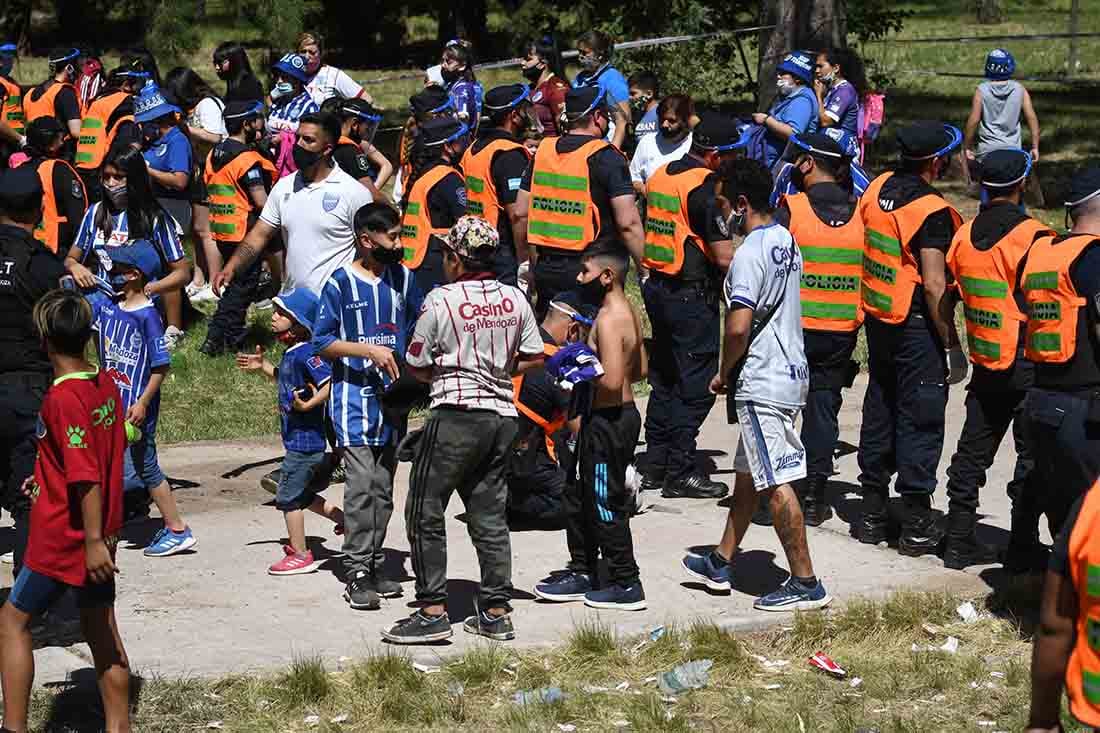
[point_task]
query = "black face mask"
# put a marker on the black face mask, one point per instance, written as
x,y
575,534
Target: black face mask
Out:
x,y
670,132
531,73
385,256
305,158
450,76
592,292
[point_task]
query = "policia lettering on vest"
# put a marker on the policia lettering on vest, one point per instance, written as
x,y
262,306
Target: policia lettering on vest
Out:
x,y
908,227
686,253
986,260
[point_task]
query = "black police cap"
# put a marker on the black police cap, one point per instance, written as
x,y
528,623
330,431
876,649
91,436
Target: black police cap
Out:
x,y
504,97
356,107
20,189
1084,186
429,99
439,130
715,132
243,110
820,145
581,101
923,140
1005,167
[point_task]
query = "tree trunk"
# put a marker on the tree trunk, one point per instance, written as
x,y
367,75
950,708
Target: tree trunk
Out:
x,y
810,25
15,22
990,12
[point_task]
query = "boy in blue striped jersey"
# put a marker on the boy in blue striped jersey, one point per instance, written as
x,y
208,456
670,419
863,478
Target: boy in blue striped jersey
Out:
x,y
132,350
367,312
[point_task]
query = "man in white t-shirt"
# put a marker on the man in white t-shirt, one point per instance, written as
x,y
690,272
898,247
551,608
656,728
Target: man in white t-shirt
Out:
x,y
473,335
763,356
314,209
671,142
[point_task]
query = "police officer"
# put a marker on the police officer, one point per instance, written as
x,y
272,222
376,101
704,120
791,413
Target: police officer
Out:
x,y
56,97
63,197
687,248
825,221
109,117
358,123
27,271
435,200
1061,283
985,260
577,191
908,227
12,127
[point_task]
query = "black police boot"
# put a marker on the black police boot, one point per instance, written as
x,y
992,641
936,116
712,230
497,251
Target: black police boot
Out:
x,y
1026,554
815,508
920,534
694,486
653,479
962,548
873,523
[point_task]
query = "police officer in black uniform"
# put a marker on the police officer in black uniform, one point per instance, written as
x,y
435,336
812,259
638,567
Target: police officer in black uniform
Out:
x,y
27,271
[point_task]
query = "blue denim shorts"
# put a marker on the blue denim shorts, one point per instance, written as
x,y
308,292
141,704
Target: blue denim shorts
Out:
x,y
34,592
142,468
298,484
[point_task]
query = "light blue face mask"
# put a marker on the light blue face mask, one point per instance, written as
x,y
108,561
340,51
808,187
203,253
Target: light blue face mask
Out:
x,y
282,89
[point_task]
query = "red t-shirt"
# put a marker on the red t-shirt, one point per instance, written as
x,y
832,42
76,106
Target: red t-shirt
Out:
x,y
81,437
549,99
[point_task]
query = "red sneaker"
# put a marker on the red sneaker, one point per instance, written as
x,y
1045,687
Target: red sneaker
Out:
x,y
295,563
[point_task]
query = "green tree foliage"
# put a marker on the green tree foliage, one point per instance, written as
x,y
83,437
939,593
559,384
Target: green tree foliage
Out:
x,y
174,34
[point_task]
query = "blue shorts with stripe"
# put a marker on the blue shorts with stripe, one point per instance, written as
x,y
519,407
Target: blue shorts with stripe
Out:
x,y
770,447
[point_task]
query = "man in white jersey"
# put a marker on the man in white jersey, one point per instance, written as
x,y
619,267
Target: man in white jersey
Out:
x,y
763,357
472,336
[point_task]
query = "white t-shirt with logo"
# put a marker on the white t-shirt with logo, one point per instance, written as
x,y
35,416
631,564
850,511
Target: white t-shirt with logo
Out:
x,y
317,223
766,273
470,333
652,152
331,82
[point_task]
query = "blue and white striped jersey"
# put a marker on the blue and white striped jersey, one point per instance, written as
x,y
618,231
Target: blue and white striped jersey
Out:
x,y
95,247
285,116
357,308
784,185
303,432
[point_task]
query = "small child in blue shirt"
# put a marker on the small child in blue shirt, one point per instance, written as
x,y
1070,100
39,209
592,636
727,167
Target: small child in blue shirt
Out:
x,y
367,312
304,383
133,351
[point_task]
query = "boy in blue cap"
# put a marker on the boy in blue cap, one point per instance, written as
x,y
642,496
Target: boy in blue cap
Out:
x,y
304,384
132,350
996,108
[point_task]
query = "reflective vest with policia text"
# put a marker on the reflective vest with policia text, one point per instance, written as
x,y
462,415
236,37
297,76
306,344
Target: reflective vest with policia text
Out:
x,y
416,223
482,199
562,213
986,280
48,231
832,265
230,204
890,273
1053,305
44,105
1083,669
95,136
667,226
12,110
548,427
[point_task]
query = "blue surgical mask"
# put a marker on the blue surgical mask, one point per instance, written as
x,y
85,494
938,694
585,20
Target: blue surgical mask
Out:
x,y
282,89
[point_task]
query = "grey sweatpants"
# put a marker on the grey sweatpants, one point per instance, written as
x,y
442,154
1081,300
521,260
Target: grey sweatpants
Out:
x,y
463,451
368,505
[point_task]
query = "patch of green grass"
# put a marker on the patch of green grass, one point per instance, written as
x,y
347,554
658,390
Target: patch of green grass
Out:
x,y
305,682
592,639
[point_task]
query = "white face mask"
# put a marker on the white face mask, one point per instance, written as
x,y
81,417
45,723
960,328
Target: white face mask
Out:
x,y
785,86
828,78
282,89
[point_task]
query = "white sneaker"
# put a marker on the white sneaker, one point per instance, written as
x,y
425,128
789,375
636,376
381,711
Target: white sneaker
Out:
x,y
172,337
8,558
205,294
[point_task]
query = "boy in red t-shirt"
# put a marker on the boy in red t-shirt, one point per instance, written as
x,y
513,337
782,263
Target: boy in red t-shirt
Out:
x,y
75,517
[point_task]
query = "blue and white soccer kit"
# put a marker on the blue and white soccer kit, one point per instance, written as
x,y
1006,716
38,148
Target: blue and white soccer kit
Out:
x,y
96,248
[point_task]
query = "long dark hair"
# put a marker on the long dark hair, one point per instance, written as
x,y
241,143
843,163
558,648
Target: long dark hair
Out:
x,y
140,59
462,51
187,87
239,65
546,48
851,68
142,209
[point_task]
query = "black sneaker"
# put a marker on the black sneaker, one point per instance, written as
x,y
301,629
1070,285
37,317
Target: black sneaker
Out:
x,y
385,587
875,520
652,481
498,628
339,473
270,481
617,598
921,537
360,592
694,487
419,628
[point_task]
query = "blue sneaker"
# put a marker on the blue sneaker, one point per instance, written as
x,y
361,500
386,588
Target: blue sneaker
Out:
x,y
564,587
617,598
166,542
793,596
706,570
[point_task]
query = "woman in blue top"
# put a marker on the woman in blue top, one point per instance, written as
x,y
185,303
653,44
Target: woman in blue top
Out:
x,y
466,93
795,109
167,151
596,71
840,87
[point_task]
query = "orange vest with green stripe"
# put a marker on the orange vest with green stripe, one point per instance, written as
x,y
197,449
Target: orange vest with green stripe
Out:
x,y
832,266
562,214
890,273
549,427
95,135
44,105
48,230
986,280
482,199
1053,304
667,226
416,223
1083,669
11,111
230,204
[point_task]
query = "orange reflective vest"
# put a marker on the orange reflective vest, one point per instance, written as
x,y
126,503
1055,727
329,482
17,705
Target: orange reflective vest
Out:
x,y
482,199
562,213
230,204
95,135
890,272
986,280
832,265
11,111
416,223
48,231
1052,301
549,427
44,105
1083,670
667,225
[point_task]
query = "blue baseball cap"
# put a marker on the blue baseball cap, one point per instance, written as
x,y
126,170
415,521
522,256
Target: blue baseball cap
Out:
x,y
799,64
139,254
301,304
999,65
150,104
293,65
8,49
